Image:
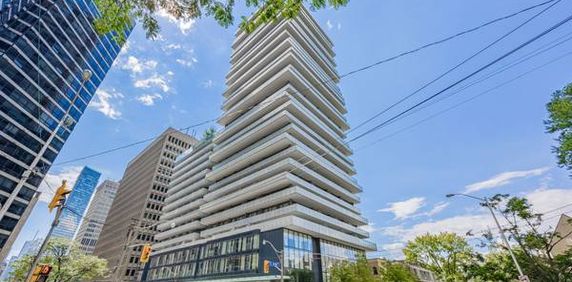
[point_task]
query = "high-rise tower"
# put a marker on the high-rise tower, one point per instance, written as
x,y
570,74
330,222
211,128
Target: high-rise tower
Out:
x,y
94,218
278,175
48,49
76,203
138,205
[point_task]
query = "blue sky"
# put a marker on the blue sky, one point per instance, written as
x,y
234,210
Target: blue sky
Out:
x,y
493,144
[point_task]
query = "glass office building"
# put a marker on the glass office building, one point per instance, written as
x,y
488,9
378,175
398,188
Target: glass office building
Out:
x,y
45,46
76,204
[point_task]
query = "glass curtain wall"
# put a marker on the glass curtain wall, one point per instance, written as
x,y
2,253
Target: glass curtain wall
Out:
x,y
332,253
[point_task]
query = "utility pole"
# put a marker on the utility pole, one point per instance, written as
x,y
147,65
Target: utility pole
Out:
x,y
58,201
485,202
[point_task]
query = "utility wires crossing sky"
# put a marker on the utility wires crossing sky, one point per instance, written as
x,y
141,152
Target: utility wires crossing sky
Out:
x,y
375,64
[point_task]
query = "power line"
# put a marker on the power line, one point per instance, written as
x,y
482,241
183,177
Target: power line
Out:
x,y
446,38
542,34
465,101
128,145
380,62
453,68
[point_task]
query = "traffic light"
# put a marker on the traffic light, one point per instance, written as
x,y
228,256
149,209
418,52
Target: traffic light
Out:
x,y
59,195
145,253
266,266
41,273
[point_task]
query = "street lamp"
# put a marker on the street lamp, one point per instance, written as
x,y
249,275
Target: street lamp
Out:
x,y
66,121
486,203
280,258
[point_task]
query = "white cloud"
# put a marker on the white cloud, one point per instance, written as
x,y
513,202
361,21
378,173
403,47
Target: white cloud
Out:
x,y
184,26
187,63
457,224
406,208
543,201
105,102
554,201
136,65
208,84
153,81
55,180
392,250
369,228
504,179
329,24
173,46
149,99
437,208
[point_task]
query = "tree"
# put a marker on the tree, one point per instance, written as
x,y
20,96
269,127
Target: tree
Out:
x,y
209,134
301,275
68,262
496,266
396,272
357,271
20,268
533,246
445,254
118,15
560,122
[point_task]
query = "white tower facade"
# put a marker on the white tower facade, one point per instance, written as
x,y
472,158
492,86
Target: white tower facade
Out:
x,y
280,170
95,216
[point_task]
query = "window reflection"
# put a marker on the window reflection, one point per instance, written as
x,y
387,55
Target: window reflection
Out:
x,y
297,250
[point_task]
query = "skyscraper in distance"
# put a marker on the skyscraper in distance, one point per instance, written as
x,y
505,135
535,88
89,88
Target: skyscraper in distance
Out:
x,y
135,212
92,223
76,203
47,50
278,180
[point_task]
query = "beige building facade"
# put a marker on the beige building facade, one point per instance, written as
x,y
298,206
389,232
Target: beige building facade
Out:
x,y
138,205
563,235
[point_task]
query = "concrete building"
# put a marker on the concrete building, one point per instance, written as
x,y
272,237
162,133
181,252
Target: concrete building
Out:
x,y
45,47
424,275
278,173
94,218
562,239
76,203
138,205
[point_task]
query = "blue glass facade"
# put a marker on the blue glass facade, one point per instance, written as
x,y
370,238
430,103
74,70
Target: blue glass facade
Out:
x,y
45,46
76,203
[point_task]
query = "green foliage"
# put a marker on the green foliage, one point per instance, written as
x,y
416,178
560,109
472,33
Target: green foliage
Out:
x,y
533,245
209,134
497,266
20,268
301,275
396,272
118,15
69,264
358,271
445,254
560,122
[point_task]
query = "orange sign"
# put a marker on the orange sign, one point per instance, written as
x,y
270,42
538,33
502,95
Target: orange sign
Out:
x,y
266,266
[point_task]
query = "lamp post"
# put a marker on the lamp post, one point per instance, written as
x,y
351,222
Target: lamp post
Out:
x,y
64,122
280,258
485,202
